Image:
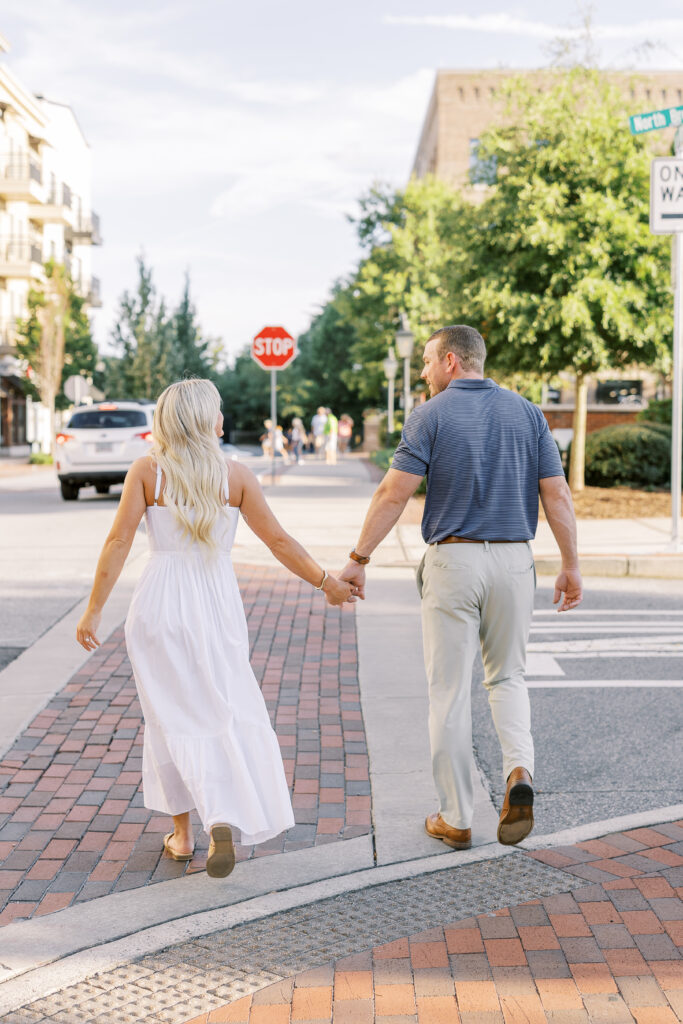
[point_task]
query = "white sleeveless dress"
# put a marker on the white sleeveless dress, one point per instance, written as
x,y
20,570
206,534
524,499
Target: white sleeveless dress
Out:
x,y
208,741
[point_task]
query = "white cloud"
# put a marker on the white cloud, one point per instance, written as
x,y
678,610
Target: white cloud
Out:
x,y
506,24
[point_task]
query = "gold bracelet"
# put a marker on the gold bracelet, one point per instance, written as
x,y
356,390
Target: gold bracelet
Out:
x,y
322,582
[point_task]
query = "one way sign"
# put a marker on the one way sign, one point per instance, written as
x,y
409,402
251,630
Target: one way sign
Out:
x,y
666,195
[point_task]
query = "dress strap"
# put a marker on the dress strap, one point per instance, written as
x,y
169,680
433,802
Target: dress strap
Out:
x,y
226,490
157,489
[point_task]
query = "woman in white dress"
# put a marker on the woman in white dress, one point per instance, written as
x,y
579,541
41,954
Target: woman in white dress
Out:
x,y
208,742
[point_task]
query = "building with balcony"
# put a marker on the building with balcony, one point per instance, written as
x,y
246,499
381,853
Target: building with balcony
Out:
x,y
45,214
462,106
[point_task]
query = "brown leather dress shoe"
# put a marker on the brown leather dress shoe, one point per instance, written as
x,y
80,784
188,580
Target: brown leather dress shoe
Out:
x,y
457,838
517,813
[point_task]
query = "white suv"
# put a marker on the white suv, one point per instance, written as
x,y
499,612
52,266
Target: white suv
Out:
x,y
100,443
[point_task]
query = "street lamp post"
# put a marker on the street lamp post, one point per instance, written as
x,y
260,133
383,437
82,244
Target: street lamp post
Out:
x,y
405,340
390,366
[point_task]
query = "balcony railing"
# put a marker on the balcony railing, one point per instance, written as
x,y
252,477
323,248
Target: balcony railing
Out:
x,y
21,167
8,332
20,250
94,297
60,195
86,231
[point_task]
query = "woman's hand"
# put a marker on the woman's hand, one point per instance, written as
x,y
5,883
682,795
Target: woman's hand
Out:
x,y
338,591
87,628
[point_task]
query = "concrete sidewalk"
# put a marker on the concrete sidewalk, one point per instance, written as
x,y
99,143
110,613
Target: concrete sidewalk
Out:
x,y
105,929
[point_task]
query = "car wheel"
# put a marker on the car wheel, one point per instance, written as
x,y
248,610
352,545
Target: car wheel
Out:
x,y
69,491
102,488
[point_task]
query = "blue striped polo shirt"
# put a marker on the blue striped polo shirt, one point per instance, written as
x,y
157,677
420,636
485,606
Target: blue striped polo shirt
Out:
x,y
483,449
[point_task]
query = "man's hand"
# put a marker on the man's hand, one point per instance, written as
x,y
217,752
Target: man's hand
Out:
x,y
569,586
355,574
337,591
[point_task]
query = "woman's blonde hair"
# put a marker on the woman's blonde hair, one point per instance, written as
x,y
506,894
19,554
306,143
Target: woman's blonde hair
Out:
x,y
186,446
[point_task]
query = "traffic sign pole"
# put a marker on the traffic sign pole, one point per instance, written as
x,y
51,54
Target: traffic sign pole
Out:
x,y
273,421
677,395
273,349
666,218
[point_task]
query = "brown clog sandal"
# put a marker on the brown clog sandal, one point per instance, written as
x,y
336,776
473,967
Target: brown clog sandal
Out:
x,y
221,859
175,856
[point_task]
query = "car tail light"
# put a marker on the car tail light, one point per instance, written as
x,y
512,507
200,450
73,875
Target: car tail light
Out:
x,y
63,438
145,436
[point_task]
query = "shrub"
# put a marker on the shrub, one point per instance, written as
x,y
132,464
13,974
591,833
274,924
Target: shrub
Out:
x,y
658,411
632,455
40,459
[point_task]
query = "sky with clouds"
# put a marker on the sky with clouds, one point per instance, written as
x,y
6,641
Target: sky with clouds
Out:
x,y
233,139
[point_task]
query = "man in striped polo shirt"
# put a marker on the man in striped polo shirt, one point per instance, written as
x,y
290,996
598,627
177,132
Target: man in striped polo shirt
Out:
x,y
487,454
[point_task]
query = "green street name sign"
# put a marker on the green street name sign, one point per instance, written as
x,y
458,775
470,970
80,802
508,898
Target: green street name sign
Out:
x,y
640,123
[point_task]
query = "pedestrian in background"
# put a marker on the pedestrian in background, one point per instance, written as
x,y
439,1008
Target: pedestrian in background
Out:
x,y
208,740
331,431
297,438
280,444
487,453
345,432
266,439
318,430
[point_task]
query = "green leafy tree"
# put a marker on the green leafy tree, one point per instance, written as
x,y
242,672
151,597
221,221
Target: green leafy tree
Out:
x,y
55,339
416,241
563,272
245,390
318,376
80,352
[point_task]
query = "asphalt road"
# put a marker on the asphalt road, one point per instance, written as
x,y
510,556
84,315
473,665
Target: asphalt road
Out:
x,y
607,704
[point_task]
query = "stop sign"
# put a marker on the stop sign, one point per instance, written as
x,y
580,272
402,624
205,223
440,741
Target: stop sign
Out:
x,y
273,348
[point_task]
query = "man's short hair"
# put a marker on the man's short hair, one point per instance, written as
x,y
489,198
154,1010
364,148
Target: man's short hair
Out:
x,y
465,342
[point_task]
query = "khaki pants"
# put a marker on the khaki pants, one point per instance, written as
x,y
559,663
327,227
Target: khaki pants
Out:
x,y
475,594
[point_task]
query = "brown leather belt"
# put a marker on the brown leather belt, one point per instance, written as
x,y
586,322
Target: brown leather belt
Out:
x,y
459,540
467,540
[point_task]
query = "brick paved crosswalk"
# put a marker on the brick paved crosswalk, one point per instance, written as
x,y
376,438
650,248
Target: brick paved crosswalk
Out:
x,y
72,823
608,952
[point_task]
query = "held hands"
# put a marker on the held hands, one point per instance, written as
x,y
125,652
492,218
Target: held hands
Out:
x,y
337,592
354,574
569,586
86,630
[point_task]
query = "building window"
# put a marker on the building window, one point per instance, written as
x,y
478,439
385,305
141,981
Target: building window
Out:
x,y
619,392
482,172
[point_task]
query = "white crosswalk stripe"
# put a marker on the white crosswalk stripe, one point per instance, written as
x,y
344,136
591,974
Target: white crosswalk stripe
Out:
x,y
611,635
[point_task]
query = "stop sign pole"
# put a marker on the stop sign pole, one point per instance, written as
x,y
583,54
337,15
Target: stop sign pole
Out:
x,y
273,349
666,218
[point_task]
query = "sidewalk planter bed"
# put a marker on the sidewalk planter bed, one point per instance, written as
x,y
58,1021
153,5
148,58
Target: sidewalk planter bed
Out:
x,y
632,455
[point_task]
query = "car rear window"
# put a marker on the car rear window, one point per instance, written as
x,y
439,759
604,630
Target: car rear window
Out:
x,y
106,419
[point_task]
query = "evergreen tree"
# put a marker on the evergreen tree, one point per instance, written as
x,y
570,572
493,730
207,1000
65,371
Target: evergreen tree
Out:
x,y
193,354
143,338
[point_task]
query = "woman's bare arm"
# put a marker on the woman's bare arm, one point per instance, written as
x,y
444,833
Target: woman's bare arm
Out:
x,y
246,490
114,553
